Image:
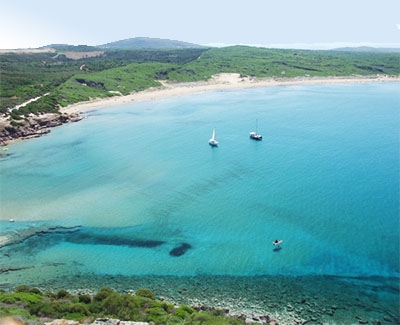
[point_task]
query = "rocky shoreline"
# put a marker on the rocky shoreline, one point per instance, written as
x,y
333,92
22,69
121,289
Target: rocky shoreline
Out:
x,y
17,237
34,126
258,299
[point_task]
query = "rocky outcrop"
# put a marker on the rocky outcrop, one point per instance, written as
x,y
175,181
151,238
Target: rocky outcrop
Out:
x,y
33,127
16,237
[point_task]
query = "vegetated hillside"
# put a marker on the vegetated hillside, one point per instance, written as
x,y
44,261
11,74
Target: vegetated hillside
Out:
x,y
149,43
263,62
71,48
368,49
116,72
29,75
33,306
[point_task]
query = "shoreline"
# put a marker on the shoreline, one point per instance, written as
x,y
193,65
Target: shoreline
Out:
x,y
284,299
40,125
219,82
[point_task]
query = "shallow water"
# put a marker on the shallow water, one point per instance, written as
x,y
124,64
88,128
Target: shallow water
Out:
x,y
141,180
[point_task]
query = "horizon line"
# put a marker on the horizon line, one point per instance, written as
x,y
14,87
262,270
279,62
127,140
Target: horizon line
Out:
x,y
296,45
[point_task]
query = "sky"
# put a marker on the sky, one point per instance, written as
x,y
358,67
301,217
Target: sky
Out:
x,y
270,23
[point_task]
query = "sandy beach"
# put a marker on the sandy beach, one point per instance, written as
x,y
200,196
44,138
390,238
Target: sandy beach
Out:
x,y
41,125
220,82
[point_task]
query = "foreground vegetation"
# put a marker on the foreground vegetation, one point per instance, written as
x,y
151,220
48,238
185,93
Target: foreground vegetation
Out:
x,y
60,80
31,305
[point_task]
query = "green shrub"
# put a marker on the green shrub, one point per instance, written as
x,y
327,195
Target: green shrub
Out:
x,y
22,288
35,290
62,294
187,309
79,308
20,298
27,297
156,314
7,299
202,318
11,311
146,293
124,307
85,299
169,308
15,123
181,313
44,309
103,294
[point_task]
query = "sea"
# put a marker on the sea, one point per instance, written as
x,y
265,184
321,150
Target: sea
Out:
x,y
133,196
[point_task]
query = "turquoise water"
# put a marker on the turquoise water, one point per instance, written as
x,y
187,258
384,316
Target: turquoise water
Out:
x,y
141,180
324,179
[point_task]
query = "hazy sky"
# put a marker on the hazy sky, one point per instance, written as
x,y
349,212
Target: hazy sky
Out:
x,y
35,23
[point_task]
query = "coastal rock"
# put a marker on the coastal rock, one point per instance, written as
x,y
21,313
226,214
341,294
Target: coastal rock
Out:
x,y
111,321
62,322
33,127
17,237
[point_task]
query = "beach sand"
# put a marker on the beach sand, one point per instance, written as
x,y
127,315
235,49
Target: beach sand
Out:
x,y
219,82
168,89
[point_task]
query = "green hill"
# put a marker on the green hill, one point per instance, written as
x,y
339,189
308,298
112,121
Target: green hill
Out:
x,y
66,80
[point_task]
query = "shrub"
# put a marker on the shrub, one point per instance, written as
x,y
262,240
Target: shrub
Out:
x,y
10,311
103,294
62,294
27,297
16,124
187,309
79,308
45,309
201,318
22,288
156,314
7,299
124,307
85,299
169,308
35,290
146,293
182,314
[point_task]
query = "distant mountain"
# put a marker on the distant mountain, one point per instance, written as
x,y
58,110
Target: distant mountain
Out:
x,y
367,49
148,43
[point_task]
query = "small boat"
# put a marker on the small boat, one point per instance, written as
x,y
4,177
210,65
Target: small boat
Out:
x,y
255,135
277,242
212,142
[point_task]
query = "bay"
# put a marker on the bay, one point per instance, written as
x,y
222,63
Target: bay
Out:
x,y
141,181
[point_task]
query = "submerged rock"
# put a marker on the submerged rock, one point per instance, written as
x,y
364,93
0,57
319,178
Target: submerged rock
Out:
x,y
180,250
17,237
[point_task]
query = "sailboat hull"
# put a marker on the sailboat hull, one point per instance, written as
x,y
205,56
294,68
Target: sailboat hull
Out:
x,y
212,142
255,136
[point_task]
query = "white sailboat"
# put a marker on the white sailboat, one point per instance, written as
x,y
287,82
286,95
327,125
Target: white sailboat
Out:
x,y
255,135
212,142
